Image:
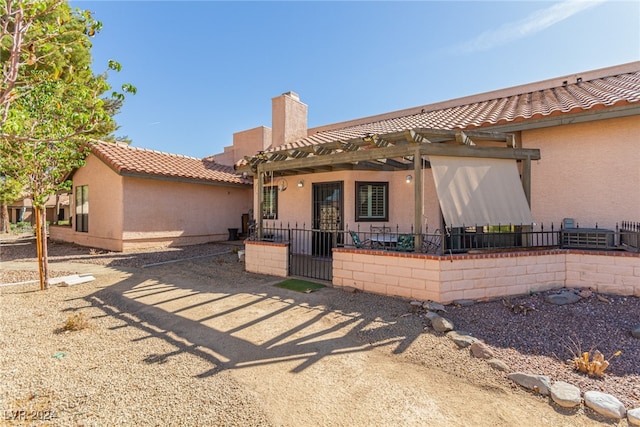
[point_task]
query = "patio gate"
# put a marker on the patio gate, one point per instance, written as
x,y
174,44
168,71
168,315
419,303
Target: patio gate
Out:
x,y
310,250
310,256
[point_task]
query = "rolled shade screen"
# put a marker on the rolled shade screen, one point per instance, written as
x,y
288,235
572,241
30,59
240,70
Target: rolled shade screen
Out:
x,y
479,191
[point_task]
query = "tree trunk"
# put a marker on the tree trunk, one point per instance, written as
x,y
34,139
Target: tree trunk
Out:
x,y
5,227
56,210
39,248
45,249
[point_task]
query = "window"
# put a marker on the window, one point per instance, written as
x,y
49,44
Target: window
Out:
x,y
270,202
372,201
82,208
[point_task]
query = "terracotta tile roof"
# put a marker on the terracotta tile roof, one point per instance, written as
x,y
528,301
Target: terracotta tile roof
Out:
x,y
559,97
125,159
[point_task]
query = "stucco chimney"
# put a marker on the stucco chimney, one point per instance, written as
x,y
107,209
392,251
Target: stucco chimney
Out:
x,y
288,117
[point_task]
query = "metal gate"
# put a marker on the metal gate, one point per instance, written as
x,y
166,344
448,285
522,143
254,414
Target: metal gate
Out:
x,y
310,256
310,250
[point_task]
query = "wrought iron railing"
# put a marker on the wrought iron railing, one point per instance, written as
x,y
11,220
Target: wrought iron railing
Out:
x,y
629,235
456,240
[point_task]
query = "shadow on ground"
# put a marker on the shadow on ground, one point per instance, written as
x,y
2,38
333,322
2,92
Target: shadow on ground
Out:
x,y
235,319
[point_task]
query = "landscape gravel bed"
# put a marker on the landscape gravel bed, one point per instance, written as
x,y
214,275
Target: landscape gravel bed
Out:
x,y
539,341
545,340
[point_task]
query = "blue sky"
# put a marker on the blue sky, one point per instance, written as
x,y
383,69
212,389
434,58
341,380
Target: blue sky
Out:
x,y
207,69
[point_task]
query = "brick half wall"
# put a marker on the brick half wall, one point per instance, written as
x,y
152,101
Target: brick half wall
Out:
x,y
485,276
267,258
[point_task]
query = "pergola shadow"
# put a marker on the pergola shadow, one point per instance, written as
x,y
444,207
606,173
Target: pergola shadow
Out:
x,y
235,327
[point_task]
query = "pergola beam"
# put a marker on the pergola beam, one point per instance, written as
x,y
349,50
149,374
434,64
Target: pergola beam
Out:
x,y
364,152
404,150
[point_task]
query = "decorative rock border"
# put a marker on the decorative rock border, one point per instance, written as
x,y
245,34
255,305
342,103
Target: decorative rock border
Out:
x,y
563,394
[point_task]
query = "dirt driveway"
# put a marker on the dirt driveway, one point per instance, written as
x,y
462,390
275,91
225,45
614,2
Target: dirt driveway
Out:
x,y
270,356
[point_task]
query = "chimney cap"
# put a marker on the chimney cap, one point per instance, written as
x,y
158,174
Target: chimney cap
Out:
x,y
292,95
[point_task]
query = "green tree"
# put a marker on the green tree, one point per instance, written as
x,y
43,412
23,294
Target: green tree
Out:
x,y
10,191
56,107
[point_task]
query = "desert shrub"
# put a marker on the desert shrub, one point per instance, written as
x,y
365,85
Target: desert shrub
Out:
x,y
75,322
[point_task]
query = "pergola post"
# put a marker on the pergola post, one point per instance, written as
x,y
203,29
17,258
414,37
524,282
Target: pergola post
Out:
x,y
526,178
417,192
260,210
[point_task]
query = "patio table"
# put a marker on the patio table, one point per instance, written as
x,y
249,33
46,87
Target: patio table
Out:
x,y
384,239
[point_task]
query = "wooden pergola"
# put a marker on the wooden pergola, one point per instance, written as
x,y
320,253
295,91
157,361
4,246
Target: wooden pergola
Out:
x,y
389,152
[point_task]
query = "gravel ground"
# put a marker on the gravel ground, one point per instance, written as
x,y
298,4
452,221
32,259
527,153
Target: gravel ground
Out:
x,y
544,340
132,377
539,342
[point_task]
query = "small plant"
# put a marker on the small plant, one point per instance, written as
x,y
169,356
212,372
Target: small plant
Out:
x,y
76,322
520,308
592,362
21,227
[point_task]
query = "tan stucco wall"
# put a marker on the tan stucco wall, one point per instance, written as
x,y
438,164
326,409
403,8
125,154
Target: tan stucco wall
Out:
x,y
588,171
487,276
169,212
105,205
245,143
288,118
295,204
128,213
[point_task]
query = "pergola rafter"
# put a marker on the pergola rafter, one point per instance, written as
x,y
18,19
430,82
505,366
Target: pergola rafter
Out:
x,y
390,152
393,149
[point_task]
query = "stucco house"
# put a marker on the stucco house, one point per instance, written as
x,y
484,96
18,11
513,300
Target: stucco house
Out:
x,y
56,208
127,198
484,178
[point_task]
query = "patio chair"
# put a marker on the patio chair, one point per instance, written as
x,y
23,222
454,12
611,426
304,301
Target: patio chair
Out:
x,y
431,242
405,242
359,243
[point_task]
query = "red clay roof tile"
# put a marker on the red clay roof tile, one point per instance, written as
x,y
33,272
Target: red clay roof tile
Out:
x,y
126,159
538,102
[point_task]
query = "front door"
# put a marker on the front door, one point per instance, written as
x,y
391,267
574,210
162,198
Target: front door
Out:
x,y
327,217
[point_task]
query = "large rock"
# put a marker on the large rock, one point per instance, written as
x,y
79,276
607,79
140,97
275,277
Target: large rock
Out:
x,y
538,383
440,324
461,339
565,394
431,315
498,365
605,404
433,306
636,331
562,298
633,416
481,350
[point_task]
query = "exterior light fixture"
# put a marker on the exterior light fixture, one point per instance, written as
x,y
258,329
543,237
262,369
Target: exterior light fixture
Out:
x,y
409,178
301,183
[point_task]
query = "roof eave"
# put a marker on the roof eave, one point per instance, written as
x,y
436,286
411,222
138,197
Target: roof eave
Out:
x,y
566,119
183,179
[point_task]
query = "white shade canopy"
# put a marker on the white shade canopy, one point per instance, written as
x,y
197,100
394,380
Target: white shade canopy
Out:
x,y
479,191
